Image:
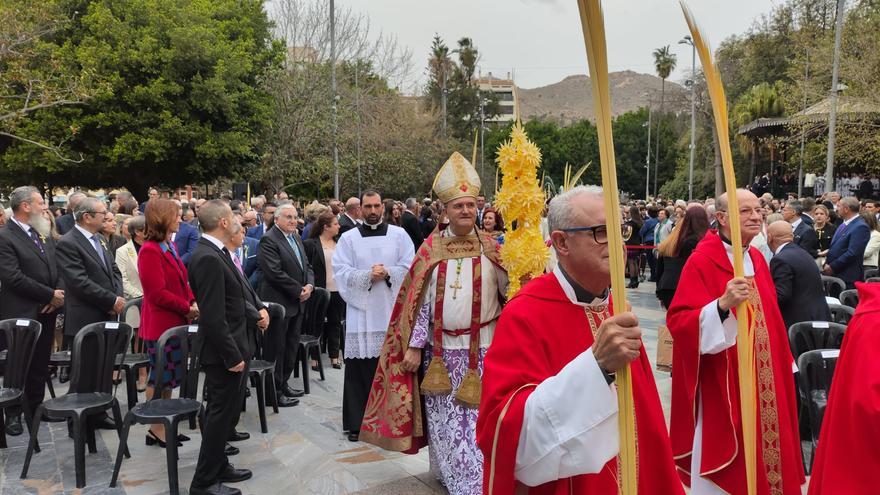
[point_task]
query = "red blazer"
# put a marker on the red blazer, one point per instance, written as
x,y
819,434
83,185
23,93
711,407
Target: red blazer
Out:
x,y
167,296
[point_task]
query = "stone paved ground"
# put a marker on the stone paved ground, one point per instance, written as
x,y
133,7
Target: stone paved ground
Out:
x,y
304,452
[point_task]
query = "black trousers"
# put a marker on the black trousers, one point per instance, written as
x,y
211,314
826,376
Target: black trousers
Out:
x,y
333,325
358,380
282,346
225,390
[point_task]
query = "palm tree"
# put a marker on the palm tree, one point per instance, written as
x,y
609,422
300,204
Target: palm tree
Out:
x,y
760,101
440,65
664,63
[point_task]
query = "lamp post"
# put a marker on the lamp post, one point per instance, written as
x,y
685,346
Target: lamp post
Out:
x,y
335,98
648,155
832,118
687,40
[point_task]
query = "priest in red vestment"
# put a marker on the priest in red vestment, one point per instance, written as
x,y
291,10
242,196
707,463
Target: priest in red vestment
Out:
x,y
705,423
848,455
548,415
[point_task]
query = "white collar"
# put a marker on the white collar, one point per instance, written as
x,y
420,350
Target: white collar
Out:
x,y
25,227
780,248
373,227
213,240
847,222
748,267
569,291
797,222
88,235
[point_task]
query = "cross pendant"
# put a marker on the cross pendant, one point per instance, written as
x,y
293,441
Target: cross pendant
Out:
x,y
455,286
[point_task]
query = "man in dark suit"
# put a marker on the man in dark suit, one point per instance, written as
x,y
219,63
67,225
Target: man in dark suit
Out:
x,y
29,288
808,205
797,278
351,216
804,235
287,280
267,215
481,207
65,222
845,258
226,345
410,222
92,282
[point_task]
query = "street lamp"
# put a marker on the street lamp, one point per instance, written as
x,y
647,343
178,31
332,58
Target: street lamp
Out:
x,y
687,40
648,155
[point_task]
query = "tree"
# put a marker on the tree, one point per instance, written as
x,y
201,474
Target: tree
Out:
x,y
664,64
35,76
452,90
182,102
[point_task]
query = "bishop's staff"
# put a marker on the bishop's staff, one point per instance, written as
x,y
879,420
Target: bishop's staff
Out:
x,y
594,38
745,339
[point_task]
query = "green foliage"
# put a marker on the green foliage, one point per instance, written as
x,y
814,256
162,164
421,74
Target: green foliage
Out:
x,y
182,102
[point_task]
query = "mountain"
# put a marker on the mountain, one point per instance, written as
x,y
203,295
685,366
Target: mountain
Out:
x,y
571,99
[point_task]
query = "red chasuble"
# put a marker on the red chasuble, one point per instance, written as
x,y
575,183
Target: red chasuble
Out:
x,y
848,456
779,465
539,332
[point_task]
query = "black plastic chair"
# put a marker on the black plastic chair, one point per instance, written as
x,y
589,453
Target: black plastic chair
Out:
x,y
261,371
309,344
873,272
58,360
849,297
21,340
131,363
833,286
816,372
168,412
841,314
872,280
811,335
110,338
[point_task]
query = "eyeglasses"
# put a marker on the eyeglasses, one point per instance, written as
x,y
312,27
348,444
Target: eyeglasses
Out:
x,y
600,232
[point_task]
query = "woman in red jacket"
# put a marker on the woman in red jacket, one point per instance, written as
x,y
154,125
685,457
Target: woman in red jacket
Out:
x,y
168,300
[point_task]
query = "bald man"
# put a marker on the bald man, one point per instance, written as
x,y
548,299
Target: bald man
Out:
x,y
796,276
351,217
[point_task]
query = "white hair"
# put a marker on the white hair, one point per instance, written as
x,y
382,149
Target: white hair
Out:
x,y
285,206
560,213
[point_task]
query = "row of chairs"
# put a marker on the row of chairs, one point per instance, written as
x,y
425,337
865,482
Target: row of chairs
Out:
x,y
112,340
815,346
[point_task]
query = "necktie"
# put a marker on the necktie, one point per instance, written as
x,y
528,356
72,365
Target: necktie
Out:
x,y
237,262
37,240
293,245
97,243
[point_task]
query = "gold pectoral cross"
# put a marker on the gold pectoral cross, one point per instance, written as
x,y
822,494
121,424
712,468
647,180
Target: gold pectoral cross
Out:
x,y
455,286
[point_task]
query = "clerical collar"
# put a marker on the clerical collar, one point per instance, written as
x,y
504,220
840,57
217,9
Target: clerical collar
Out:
x,y
368,230
581,295
727,241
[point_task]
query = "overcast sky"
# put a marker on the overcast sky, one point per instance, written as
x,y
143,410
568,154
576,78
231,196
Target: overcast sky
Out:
x,y
540,41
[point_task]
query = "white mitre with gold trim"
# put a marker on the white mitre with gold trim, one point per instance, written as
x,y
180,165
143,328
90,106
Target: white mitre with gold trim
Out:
x,y
457,178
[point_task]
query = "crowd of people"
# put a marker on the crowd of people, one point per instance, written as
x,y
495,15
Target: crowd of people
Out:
x,y
415,295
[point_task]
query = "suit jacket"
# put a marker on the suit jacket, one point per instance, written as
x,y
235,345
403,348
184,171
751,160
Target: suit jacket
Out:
x,y
91,287
847,251
411,225
28,277
225,309
805,237
799,287
256,232
345,223
186,239
315,254
127,261
167,295
249,261
807,219
283,277
64,223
